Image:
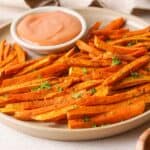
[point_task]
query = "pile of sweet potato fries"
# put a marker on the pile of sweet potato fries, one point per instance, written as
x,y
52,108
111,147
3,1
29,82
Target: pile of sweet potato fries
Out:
x,y
104,79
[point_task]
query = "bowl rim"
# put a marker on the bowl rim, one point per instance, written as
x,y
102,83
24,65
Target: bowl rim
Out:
x,y
143,139
47,9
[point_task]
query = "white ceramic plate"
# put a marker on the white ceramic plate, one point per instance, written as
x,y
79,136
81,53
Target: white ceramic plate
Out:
x,y
51,131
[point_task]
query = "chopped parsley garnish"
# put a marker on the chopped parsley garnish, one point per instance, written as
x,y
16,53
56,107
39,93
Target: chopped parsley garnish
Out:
x,y
94,126
44,85
76,95
115,61
86,119
135,74
132,43
92,91
59,89
84,70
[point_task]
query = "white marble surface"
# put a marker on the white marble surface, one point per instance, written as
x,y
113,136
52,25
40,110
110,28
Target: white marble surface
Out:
x,y
13,140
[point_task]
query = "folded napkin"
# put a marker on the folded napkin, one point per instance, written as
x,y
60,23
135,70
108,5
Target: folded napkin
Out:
x,y
10,9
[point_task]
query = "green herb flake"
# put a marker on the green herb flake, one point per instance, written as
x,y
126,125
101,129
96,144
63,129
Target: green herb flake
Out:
x,y
84,70
76,95
92,91
132,43
59,89
44,85
134,74
94,126
86,119
115,61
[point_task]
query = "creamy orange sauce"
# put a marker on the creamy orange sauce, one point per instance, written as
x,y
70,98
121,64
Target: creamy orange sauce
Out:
x,y
49,28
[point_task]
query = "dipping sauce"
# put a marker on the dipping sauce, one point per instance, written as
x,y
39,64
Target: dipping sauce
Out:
x,y
49,28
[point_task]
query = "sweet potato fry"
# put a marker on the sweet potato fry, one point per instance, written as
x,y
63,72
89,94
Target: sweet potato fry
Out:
x,y
65,56
142,51
82,111
22,97
39,64
8,59
92,29
21,55
2,47
16,68
114,49
137,32
130,82
86,85
118,97
116,115
6,51
125,71
115,24
54,115
26,86
128,39
87,63
87,48
56,103
43,72
11,63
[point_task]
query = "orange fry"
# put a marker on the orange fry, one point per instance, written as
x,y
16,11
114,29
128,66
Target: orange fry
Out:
x,y
126,70
21,55
2,47
116,115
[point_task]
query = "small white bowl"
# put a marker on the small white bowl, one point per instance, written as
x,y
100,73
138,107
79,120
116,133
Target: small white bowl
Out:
x,y
47,49
143,140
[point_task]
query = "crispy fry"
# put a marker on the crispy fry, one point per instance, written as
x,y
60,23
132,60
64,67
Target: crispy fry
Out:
x,y
110,99
87,63
128,39
137,32
39,64
14,69
82,111
114,49
2,47
8,59
54,115
116,115
115,24
21,55
130,81
125,71
6,51
23,87
44,72
87,48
